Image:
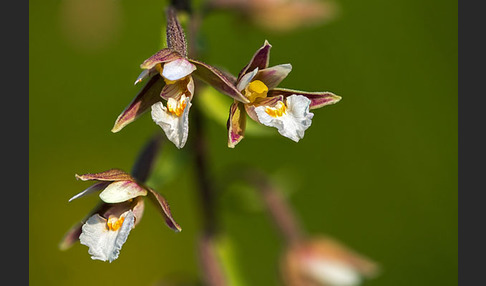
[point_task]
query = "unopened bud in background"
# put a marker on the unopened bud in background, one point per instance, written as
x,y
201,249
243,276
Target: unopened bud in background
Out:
x,y
324,262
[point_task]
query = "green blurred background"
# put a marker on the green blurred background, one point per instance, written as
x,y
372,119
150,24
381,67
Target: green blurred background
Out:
x,y
377,171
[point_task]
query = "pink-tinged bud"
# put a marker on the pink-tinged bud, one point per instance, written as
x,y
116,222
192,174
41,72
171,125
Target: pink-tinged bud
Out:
x,y
324,262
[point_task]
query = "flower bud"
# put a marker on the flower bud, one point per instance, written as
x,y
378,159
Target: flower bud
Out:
x,y
324,262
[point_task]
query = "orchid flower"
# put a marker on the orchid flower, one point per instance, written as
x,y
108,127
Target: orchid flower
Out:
x,y
285,109
325,262
281,15
105,229
170,78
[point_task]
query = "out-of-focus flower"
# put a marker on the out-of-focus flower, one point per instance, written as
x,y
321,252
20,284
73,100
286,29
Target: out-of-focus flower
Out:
x,y
170,73
281,15
285,109
90,26
324,262
105,229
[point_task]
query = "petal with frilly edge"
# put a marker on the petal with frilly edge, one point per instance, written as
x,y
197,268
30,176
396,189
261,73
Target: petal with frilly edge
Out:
x,y
161,203
318,99
105,244
218,80
177,69
162,56
293,122
176,128
147,96
122,191
236,124
273,76
267,101
259,60
104,210
73,234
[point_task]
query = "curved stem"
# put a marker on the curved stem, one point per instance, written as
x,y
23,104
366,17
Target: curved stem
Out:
x,y
213,274
277,207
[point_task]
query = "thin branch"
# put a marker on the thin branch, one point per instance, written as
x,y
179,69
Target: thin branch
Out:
x,y
212,269
206,188
209,261
278,208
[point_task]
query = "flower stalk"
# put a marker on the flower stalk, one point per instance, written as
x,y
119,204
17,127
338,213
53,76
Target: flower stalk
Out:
x,y
174,76
277,207
211,267
206,189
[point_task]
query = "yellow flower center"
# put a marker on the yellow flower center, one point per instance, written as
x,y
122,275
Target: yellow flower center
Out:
x,y
255,90
168,81
159,68
276,111
177,107
114,223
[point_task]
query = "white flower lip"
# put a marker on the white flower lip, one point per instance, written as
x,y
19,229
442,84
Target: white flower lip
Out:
x,y
177,69
176,128
105,244
293,123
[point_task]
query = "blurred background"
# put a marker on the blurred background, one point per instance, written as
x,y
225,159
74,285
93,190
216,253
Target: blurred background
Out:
x,y
377,171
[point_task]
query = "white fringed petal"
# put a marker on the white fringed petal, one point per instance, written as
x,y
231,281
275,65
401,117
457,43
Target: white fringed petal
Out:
x,y
105,244
293,123
330,272
177,69
176,128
